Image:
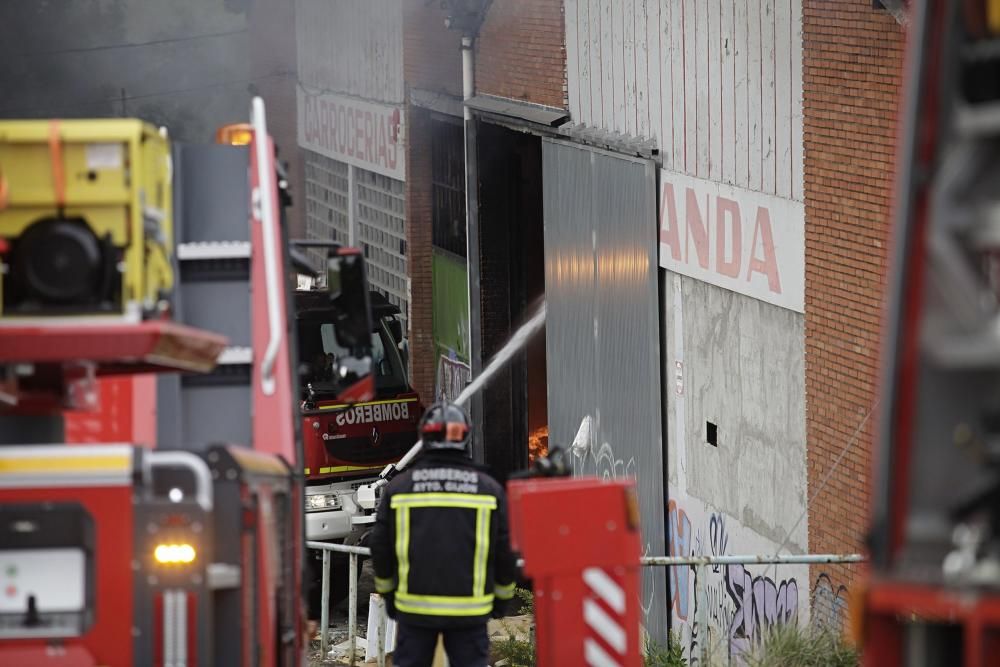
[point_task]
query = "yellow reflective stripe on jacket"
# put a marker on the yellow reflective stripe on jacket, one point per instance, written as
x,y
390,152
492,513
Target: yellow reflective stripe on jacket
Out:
x,y
384,585
505,592
402,547
482,549
480,602
442,605
466,500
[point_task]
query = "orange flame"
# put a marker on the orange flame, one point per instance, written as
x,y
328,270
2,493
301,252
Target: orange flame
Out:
x,y
538,443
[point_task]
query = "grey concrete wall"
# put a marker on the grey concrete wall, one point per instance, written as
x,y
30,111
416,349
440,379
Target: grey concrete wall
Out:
x,y
742,369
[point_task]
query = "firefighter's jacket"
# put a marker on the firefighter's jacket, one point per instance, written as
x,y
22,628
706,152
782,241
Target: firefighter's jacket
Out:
x,y
441,544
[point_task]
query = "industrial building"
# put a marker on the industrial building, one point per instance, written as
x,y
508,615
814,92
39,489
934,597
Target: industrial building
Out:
x,y
682,183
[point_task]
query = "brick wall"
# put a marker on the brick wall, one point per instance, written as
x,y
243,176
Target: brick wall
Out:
x,y
497,213
498,397
432,60
520,55
521,52
432,54
418,245
852,74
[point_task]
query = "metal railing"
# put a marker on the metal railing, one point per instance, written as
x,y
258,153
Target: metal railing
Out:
x,y
697,562
352,595
701,561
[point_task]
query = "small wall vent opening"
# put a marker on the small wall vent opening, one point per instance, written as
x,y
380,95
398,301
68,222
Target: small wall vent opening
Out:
x,y
712,434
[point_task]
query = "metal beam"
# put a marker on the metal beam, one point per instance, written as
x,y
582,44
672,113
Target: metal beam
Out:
x,y
532,113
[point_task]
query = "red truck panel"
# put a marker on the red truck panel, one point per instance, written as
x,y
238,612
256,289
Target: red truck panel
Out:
x,y
109,639
360,439
126,412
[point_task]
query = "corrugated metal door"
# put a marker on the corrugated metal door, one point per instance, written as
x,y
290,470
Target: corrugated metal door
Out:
x,y
602,329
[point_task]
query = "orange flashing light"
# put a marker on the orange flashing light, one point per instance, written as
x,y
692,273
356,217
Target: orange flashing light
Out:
x,y
237,134
172,554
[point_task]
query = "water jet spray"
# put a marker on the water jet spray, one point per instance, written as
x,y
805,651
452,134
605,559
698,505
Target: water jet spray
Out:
x,y
366,496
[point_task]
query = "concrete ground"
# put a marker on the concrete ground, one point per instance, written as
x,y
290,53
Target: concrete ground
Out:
x,y
339,617
519,626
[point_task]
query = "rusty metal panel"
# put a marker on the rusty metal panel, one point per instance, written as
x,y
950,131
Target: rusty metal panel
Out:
x,y
352,47
602,330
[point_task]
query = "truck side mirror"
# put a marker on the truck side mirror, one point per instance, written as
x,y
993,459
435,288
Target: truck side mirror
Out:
x,y
347,286
396,329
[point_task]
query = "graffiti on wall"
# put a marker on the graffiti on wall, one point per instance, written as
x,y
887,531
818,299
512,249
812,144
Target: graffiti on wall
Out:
x,y
602,461
450,323
679,543
828,603
723,609
452,377
760,605
719,538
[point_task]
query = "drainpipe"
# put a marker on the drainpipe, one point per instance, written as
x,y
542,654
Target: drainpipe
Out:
x,y
472,242
468,73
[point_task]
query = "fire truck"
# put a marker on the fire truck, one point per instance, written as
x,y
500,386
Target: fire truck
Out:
x,y
346,444
932,596
126,258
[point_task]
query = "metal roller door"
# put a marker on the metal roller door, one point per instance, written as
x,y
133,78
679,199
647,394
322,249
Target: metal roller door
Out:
x,y
602,330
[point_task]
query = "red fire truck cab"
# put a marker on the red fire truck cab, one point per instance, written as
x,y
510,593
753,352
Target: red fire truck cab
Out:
x,y
347,445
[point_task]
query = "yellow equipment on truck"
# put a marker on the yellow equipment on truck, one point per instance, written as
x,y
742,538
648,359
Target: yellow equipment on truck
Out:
x,y
86,226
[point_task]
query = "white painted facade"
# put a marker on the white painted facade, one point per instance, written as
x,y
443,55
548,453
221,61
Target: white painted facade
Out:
x,y
351,47
363,134
717,86
716,83
350,127
748,242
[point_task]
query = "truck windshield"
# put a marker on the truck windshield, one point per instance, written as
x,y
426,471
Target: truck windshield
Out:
x,y
318,352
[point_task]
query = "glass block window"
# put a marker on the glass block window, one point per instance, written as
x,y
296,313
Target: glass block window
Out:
x,y
379,218
382,234
326,198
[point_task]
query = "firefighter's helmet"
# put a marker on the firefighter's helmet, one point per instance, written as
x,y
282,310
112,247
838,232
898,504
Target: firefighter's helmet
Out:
x,y
445,426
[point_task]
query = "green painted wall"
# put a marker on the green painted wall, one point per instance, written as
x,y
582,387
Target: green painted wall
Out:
x,y
450,306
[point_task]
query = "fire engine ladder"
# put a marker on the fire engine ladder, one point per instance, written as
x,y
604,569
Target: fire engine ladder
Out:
x,y
214,268
949,219
213,293
935,542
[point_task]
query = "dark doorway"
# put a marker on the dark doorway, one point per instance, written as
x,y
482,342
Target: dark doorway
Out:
x,y
512,279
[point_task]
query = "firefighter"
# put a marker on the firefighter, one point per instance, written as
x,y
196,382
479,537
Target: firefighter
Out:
x,y
440,548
